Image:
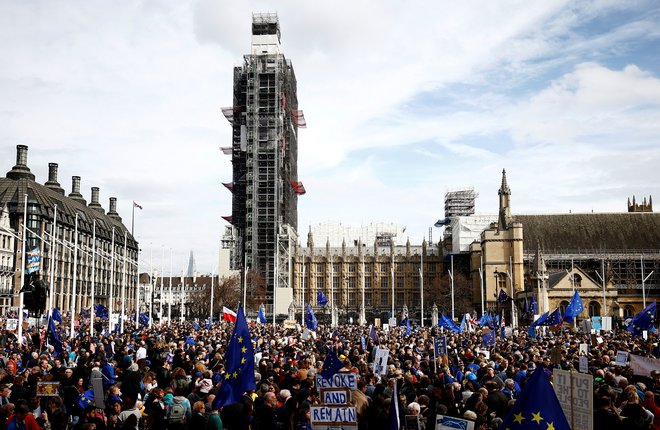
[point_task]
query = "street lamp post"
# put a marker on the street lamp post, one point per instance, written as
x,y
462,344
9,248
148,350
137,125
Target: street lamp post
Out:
x,y
644,281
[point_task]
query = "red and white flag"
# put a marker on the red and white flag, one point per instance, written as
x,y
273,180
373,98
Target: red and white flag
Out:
x,y
228,314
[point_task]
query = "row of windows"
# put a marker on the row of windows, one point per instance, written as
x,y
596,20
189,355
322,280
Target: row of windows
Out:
x,y
384,267
351,283
374,299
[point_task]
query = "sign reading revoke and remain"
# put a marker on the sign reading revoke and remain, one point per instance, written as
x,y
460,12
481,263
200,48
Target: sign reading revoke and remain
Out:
x,y
335,411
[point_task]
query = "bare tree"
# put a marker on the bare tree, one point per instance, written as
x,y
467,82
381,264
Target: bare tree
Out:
x,y
256,290
227,292
440,294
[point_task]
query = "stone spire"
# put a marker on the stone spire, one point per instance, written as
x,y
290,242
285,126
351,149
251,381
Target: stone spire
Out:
x,y
504,219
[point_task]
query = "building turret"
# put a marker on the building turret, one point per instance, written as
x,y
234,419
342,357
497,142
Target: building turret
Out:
x,y
504,220
75,190
21,169
52,179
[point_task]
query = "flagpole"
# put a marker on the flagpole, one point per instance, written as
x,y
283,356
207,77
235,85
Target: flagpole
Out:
x,y
75,278
133,221
152,284
137,296
169,302
211,310
245,270
275,275
91,312
53,245
123,291
363,317
302,297
23,252
162,271
183,299
451,275
111,296
481,285
392,278
421,284
514,322
332,292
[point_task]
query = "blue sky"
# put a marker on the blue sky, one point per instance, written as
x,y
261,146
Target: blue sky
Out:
x,y
403,101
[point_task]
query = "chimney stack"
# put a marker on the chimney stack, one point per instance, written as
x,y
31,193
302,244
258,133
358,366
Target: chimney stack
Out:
x,y
94,204
52,179
75,190
21,170
112,212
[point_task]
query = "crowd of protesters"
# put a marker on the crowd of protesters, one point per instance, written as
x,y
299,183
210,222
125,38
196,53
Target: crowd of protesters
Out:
x,y
166,377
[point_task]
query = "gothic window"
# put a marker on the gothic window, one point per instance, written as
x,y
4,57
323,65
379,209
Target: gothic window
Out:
x,y
352,267
399,298
367,267
576,281
367,282
320,283
383,283
383,268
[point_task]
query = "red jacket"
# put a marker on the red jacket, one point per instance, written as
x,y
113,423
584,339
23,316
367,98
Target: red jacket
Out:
x,y
30,423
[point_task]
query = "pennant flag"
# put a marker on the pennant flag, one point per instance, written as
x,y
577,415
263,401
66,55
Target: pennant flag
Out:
x,y
489,338
448,323
574,308
144,319
56,315
228,314
537,407
33,261
503,297
321,299
533,306
394,422
331,365
101,311
310,319
86,399
373,335
135,205
239,374
644,320
54,339
262,315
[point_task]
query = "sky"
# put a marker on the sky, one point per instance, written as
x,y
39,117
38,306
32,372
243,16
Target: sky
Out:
x,y
403,102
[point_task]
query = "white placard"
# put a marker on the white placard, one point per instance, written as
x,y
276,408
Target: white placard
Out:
x,y
324,417
584,349
450,423
11,324
577,403
392,322
584,364
621,358
339,380
380,361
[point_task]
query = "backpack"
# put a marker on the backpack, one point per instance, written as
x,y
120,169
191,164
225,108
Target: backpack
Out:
x,y
176,414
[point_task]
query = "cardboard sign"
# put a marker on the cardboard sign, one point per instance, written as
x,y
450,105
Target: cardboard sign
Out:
x,y
450,423
380,361
621,358
45,389
339,380
575,392
11,324
584,349
597,323
376,322
335,396
289,324
324,417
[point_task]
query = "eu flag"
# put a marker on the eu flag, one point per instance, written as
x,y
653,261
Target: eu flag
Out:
x,y
373,335
310,319
101,311
262,315
541,320
56,315
489,338
196,325
537,407
574,308
554,318
239,373
321,299
448,323
331,365
643,320
86,399
533,306
503,297
406,323
54,339
144,319
486,319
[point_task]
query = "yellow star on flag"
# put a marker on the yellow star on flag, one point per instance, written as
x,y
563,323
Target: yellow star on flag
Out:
x,y
518,418
227,375
537,417
244,350
240,339
550,427
243,360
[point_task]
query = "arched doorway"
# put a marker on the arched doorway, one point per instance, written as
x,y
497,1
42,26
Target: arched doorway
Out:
x,y
562,307
594,309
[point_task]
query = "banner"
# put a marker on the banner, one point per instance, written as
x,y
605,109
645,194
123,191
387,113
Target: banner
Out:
x,y
643,365
450,423
380,361
33,261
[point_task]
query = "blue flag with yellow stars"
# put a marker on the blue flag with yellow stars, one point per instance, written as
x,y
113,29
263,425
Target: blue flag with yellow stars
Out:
x,y
86,399
100,311
448,323
574,308
554,318
643,320
533,306
537,408
373,335
54,338
541,320
144,319
56,315
321,299
239,372
310,319
331,365
503,297
262,315
489,338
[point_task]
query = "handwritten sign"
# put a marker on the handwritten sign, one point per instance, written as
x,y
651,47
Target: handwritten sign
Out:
x,y
339,380
575,394
450,423
621,358
327,416
335,396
